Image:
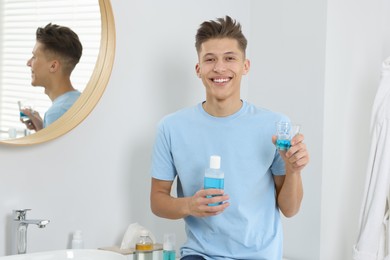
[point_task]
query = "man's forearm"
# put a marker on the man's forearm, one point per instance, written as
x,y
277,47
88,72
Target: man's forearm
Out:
x,y
166,206
291,194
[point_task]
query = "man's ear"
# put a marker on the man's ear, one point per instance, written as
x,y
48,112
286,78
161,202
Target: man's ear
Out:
x,y
247,65
197,69
54,66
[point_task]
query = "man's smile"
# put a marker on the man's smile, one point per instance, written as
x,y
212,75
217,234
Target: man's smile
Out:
x,y
221,80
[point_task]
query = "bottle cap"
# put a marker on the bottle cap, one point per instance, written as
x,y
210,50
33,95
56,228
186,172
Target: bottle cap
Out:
x,y
215,161
169,242
144,232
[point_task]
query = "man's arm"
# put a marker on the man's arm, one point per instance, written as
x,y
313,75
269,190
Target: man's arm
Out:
x,y
289,188
166,206
289,193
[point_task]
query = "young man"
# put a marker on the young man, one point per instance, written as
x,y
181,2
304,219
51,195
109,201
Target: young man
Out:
x,y
259,180
55,55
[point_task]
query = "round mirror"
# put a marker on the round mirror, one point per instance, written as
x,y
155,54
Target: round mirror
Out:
x,y
92,92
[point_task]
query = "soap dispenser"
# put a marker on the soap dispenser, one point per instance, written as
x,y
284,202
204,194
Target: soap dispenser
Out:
x,y
169,252
77,241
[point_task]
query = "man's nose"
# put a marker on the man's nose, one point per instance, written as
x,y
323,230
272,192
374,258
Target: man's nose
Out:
x,y
219,67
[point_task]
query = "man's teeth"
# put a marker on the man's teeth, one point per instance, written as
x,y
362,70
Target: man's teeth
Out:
x,y
220,80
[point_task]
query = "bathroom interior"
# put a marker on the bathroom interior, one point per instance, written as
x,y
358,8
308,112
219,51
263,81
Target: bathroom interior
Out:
x,y
317,61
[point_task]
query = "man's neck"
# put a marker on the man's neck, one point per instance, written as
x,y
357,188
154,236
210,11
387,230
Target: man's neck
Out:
x,y
57,87
222,108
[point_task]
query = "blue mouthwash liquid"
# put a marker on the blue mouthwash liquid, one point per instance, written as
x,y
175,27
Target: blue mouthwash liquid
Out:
x,y
169,255
213,183
23,116
283,144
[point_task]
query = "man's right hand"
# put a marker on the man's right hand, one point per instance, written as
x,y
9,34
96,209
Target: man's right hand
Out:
x,y
198,204
164,205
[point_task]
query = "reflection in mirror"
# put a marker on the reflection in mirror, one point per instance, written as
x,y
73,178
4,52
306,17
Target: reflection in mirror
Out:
x,y
18,28
93,90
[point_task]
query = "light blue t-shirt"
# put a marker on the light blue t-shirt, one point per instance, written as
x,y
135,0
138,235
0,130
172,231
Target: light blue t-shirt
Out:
x,y
60,105
250,227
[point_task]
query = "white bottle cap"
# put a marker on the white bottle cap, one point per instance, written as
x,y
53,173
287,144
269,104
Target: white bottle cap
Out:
x,y
144,232
169,242
215,161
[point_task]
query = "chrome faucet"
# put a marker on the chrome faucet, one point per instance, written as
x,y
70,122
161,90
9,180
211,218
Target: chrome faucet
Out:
x,y
19,230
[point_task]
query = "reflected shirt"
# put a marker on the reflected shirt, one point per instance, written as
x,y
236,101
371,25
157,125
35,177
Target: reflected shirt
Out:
x,y
60,105
250,228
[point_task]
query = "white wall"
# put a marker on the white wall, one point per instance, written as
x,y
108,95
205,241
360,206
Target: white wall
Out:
x,y
96,178
357,43
288,60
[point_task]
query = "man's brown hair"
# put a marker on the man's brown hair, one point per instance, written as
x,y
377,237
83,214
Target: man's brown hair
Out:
x,y
220,28
61,41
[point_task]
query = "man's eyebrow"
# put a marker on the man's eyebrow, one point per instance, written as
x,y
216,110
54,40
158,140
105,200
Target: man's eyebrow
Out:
x,y
225,53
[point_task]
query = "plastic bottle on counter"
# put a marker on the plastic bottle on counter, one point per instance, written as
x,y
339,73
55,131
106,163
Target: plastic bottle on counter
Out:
x,y
77,240
144,246
169,252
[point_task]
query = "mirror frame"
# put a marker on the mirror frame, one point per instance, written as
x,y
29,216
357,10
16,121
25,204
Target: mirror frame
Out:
x,y
92,92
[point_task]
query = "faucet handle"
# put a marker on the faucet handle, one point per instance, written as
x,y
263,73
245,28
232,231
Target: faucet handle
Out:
x,y
20,214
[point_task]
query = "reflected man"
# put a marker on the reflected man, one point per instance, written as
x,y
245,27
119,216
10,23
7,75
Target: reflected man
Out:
x,y
56,52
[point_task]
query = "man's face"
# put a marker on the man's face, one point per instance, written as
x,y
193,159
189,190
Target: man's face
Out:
x,y
221,66
40,66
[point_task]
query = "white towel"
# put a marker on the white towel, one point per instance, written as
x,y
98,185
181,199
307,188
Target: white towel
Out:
x,y
132,235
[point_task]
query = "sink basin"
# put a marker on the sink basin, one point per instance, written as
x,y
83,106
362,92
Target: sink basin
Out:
x,y
80,254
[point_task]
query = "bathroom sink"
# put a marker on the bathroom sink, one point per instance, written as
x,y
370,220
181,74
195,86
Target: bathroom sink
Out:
x,y
80,254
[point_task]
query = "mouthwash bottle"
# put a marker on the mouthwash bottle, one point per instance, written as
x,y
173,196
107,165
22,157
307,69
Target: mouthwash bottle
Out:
x,y
169,252
214,177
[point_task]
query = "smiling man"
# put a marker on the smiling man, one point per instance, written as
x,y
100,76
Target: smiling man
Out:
x,y
259,180
56,53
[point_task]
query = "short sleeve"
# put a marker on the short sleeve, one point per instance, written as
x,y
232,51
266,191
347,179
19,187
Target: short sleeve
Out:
x,y
278,165
162,161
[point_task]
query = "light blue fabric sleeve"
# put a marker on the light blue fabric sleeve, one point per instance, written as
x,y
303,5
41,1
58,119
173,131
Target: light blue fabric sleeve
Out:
x,y
278,165
163,167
